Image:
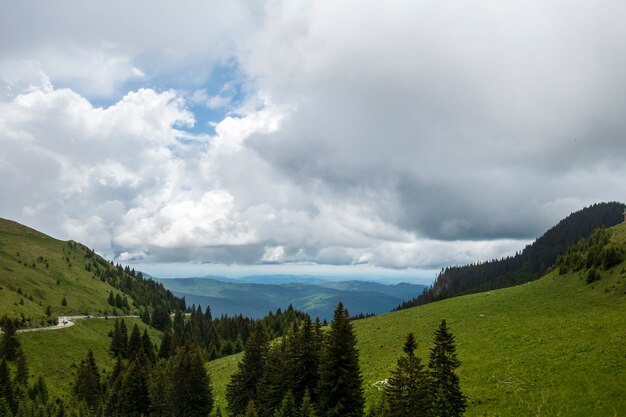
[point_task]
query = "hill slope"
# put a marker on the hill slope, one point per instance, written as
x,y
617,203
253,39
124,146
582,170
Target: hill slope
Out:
x,y
38,271
554,346
319,300
530,264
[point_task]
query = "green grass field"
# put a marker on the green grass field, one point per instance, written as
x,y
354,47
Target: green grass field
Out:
x,y
55,354
552,347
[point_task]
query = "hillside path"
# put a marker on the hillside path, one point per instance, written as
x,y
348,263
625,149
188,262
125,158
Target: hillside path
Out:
x,y
69,321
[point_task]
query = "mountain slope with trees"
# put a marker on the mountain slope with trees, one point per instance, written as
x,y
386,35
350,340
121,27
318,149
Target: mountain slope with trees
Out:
x,y
554,345
529,264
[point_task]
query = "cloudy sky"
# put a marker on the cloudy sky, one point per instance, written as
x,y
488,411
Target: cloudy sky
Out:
x,y
389,137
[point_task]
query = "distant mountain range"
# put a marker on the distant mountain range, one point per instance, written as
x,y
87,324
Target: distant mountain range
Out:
x,y
254,296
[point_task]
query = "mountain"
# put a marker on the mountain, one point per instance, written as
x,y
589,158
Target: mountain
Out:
x,y
554,346
534,261
256,300
42,278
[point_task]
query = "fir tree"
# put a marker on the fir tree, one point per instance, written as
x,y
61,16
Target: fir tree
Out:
x,y
341,384
288,407
242,389
135,345
119,339
165,350
21,375
307,409
448,400
39,391
148,347
274,383
7,390
161,389
87,386
112,404
250,410
134,391
191,385
408,390
9,344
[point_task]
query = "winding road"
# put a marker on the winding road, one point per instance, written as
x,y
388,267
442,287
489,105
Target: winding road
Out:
x,y
69,321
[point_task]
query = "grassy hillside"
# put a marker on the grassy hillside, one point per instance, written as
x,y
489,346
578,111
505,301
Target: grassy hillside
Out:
x,y
552,347
55,354
45,270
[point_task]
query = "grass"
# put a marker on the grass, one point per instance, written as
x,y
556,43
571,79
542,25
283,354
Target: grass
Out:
x,y
56,354
552,347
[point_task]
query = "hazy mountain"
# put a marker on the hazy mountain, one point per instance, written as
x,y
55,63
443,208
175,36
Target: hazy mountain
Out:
x,y
314,295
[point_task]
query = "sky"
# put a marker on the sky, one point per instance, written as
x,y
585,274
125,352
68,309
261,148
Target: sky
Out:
x,y
356,137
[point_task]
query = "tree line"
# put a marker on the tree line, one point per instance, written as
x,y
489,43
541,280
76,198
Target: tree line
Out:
x,y
530,264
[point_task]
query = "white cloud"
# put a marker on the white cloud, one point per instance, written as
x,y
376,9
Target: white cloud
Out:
x,y
399,134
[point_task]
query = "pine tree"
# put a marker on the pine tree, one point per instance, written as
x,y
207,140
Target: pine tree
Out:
x,y
134,391
448,400
191,385
87,386
307,409
250,410
341,384
112,404
39,391
408,390
21,375
165,350
304,351
242,389
148,347
119,339
274,383
7,390
161,389
288,407
9,344
135,346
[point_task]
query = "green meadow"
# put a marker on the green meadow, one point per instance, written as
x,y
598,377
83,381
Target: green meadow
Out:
x,y
55,354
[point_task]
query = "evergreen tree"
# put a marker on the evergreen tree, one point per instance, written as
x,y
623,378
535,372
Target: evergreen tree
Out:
x,y
307,409
112,404
448,400
161,389
242,389
191,385
304,350
21,375
165,350
134,391
9,344
250,410
341,384
148,347
274,383
288,407
119,339
7,390
39,391
5,408
87,386
135,345
408,390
